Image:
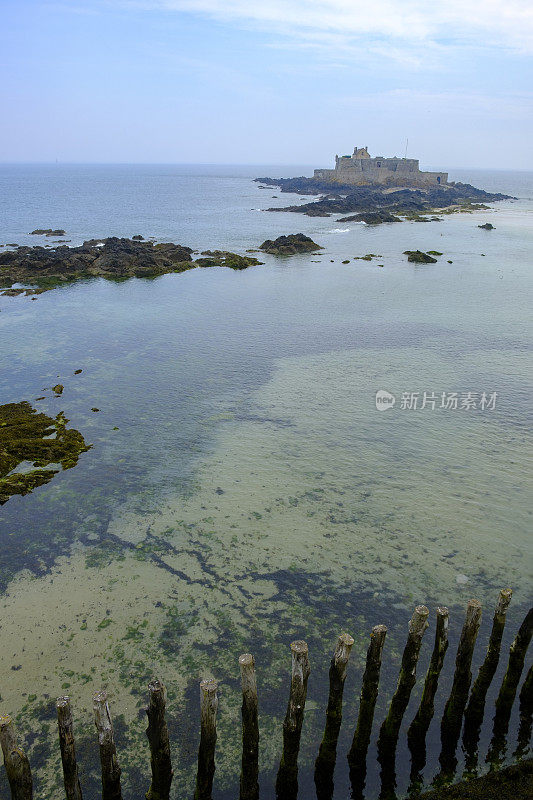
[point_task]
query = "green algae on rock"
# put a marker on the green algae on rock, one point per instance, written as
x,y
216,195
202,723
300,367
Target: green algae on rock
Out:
x,y
418,257
222,258
289,245
26,435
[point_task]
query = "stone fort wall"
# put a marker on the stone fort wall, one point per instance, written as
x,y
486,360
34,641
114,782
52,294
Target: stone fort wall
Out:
x,y
384,171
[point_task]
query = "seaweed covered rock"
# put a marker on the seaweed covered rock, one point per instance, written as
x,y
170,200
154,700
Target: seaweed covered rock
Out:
x,y
111,258
290,245
223,258
371,217
418,257
26,435
108,258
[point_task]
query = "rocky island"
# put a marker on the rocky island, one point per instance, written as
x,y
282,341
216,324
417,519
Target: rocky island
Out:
x,y
377,190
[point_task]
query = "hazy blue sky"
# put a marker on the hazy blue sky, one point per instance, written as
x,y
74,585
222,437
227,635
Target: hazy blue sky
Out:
x,y
267,81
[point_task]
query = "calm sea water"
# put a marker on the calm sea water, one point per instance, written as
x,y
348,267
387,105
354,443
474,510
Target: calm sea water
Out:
x,y
242,489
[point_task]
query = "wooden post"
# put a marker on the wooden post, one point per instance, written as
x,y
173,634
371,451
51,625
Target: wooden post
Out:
x,y
327,754
249,783
15,761
157,733
416,733
450,728
390,729
287,778
208,739
111,788
369,696
68,749
507,693
526,716
476,703
406,679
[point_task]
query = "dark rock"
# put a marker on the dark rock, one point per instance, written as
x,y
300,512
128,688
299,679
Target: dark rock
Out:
x,y
12,292
137,238
418,257
95,409
11,244
223,258
109,258
371,217
58,388
347,261
290,245
486,227
347,199
434,253
48,232
77,371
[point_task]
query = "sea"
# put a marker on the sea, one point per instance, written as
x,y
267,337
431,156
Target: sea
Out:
x,y
246,485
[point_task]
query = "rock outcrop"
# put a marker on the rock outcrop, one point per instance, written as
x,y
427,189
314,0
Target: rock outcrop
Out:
x,y
418,257
348,199
112,258
290,245
371,218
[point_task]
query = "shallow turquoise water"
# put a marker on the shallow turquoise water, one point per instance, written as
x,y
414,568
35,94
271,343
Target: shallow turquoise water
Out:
x,y
248,433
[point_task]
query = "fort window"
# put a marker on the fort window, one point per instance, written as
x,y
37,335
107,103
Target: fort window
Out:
x,y
438,178
379,163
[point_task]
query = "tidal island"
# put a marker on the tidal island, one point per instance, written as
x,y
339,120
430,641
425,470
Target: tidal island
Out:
x,y
379,189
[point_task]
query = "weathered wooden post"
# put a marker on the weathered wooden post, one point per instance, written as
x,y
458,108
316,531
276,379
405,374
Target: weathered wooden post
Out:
x,y
416,733
111,788
15,761
249,782
367,705
68,749
526,716
450,728
327,754
369,696
507,693
476,703
208,739
388,735
406,679
157,733
287,778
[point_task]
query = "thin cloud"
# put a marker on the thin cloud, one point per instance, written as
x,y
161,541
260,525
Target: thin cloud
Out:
x,y
405,23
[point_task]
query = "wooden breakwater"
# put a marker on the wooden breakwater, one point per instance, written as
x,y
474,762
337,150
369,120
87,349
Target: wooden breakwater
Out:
x,y
463,713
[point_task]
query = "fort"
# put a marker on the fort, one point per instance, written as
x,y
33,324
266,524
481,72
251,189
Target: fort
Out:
x,y
360,169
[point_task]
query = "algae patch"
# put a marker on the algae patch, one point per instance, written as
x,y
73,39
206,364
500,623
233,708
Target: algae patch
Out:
x,y
29,436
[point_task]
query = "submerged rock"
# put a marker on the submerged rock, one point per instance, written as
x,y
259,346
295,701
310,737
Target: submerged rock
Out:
x,y
48,232
58,388
25,436
418,257
290,245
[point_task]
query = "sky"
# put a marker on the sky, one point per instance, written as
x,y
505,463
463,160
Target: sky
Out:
x,y
267,81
